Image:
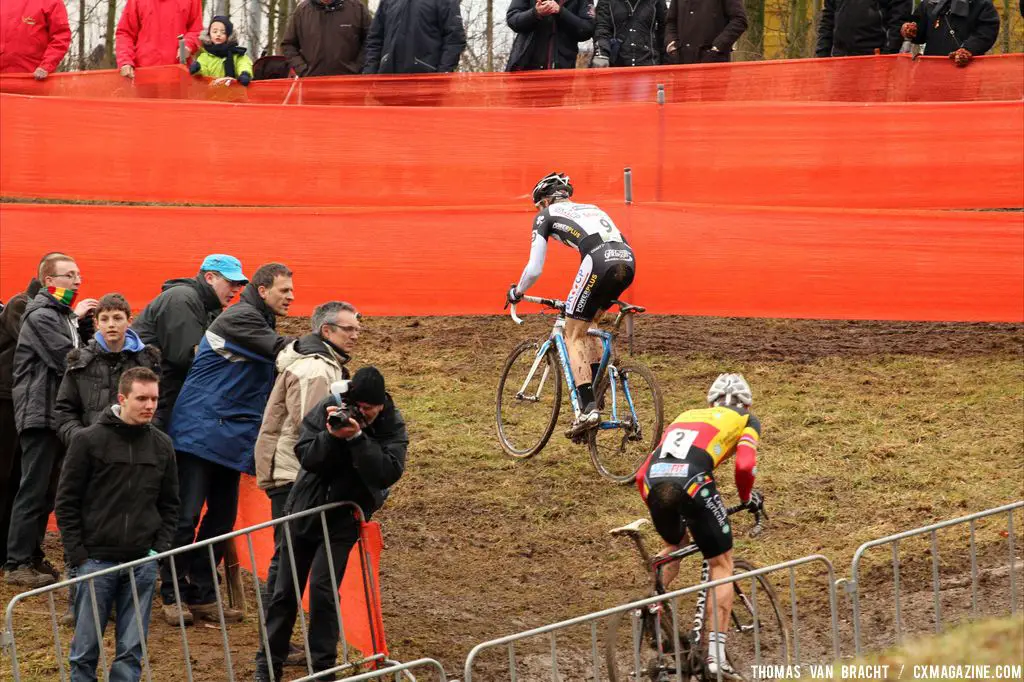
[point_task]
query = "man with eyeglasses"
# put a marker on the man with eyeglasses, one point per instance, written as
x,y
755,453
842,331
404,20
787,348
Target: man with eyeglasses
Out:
x,y
306,370
176,320
49,331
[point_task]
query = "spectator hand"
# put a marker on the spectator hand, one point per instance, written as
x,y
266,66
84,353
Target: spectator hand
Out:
x,y
193,68
961,57
546,8
671,47
244,79
347,432
908,30
223,81
600,62
128,71
86,307
40,74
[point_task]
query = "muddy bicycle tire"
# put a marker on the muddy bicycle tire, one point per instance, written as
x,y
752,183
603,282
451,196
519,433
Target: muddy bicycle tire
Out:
x,y
772,627
539,422
613,454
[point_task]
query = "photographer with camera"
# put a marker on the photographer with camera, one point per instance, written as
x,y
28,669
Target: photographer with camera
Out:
x,y
352,448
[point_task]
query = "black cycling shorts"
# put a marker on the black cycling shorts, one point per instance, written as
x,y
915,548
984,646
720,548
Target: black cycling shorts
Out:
x,y
694,503
606,271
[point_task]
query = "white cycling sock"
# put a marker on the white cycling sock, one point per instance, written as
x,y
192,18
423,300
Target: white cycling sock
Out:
x,y
716,646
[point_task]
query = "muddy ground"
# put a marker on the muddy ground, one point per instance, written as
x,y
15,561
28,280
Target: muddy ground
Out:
x,y
870,428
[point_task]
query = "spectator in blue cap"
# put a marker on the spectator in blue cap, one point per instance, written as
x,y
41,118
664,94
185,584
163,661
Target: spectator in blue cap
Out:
x,y
176,320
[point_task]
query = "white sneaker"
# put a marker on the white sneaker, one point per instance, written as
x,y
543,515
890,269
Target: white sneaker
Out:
x,y
583,423
728,672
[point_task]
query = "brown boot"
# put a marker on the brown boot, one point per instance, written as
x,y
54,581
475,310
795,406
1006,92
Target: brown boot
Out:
x,y
209,612
26,576
171,615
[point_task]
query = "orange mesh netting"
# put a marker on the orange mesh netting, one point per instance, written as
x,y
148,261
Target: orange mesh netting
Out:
x,y
898,155
895,78
816,263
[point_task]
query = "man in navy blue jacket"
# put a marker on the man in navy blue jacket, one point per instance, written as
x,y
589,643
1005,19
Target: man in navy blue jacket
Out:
x,y
214,426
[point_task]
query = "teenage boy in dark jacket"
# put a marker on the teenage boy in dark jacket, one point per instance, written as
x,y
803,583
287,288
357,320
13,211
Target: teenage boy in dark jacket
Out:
x,y
358,461
90,384
117,502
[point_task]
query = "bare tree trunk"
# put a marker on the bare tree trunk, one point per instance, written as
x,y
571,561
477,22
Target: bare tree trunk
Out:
x,y
282,20
254,28
271,26
81,35
108,42
796,29
490,35
752,40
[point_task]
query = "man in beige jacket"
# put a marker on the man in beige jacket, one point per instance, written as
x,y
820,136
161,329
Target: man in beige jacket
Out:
x,y
306,369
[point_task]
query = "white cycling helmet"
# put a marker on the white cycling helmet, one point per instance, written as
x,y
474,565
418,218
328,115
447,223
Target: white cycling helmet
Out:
x,y
730,389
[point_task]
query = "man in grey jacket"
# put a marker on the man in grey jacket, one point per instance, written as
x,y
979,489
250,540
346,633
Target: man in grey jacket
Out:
x,y
176,320
49,331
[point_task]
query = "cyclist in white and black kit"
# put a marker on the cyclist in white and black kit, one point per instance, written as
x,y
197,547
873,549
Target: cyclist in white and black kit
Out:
x,y
606,270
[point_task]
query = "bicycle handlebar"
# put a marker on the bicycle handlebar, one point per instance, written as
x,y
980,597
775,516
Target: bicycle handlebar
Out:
x,y
758,513
554,303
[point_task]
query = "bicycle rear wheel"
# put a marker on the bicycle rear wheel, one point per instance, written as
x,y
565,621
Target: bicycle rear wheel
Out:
x,y
617,453
526,417
632,652
768,643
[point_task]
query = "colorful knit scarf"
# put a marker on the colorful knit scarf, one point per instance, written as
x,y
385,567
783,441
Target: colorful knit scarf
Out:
x,y
65,296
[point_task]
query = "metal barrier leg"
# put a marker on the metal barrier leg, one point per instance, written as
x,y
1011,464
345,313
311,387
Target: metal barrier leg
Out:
x,y
220,612
181,620
334,585
935,582
56,637
595,661
259,606
974,574
896,590
143,626
554,658
512,660
298,596
796,626
96,622
1013,564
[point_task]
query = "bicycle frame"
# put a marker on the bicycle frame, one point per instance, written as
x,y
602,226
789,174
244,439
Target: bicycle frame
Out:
x,y
557,340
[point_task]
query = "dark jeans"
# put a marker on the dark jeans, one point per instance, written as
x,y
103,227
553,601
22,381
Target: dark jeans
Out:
x,y
41,456
278,497
311,563
199,482
112,590
10,470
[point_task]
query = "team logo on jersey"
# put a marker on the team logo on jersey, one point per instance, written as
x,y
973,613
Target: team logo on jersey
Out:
x,y
668,469
539,220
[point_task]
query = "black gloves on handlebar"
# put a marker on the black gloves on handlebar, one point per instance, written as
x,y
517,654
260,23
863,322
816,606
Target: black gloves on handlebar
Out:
x,y
512,296
756,503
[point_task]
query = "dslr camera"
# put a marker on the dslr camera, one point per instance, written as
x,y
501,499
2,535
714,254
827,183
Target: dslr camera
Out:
x,y
347,411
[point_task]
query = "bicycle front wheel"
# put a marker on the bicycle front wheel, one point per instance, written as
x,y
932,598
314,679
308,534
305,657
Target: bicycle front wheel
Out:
x,y
618,448
529,397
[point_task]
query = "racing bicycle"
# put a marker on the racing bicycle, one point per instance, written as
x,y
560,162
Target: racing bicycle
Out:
x,y
530,396
665,648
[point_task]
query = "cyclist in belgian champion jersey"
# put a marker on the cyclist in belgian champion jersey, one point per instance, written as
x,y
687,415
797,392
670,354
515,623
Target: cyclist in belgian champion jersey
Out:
x,y
677,482
606,270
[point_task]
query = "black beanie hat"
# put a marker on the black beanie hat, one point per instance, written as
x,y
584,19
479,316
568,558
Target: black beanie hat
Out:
x,y
367,386
228,26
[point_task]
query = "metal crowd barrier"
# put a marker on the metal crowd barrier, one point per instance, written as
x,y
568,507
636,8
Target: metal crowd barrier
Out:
x,y
853,585
593,619
9,640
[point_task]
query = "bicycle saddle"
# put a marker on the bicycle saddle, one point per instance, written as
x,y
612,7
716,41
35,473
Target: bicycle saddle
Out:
x,y
628,307
630,529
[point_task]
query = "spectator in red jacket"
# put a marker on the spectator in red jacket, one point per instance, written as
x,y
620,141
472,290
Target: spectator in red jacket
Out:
x,y
34,37
147,34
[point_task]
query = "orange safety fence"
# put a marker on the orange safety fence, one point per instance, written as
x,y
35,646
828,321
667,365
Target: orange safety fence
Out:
x,y
890,78
906,155
692,259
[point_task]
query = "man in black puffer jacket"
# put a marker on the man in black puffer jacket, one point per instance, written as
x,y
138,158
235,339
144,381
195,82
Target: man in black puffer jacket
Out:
x,y
548,33
50,329
850,28
356,460
176,320
959,29
415,36
89,386
117,502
